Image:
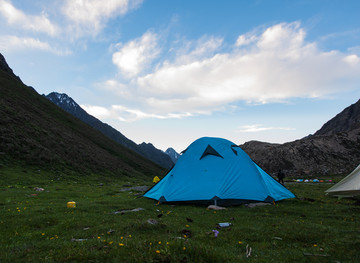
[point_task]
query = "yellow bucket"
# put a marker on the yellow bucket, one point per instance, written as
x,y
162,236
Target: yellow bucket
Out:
x,y
71,204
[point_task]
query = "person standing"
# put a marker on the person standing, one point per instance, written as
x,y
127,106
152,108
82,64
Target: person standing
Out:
x,y
281,177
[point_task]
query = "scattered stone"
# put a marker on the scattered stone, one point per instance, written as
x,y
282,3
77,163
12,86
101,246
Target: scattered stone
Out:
x,y
78,239
110,231
127,211
278,238
215,207
152,221
248,251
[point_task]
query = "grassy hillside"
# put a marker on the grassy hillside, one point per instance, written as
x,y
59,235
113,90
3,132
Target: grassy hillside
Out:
x,y
34,131
37,226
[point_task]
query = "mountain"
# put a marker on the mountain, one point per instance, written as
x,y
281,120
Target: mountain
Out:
x,y
147,150
34,131
334,149
4,67
173,154
345,121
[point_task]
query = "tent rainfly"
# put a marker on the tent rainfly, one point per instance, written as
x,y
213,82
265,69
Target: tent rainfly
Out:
x,y
347,187
216,171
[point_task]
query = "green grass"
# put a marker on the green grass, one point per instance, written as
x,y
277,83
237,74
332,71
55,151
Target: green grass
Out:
x,y
38,227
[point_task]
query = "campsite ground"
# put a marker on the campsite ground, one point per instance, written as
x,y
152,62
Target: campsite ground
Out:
x,y
36,226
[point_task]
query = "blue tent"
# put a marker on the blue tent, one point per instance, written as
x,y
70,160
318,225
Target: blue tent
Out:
x,y
215,170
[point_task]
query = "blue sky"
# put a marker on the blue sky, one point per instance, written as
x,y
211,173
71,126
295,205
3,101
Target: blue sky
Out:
x,y
169,72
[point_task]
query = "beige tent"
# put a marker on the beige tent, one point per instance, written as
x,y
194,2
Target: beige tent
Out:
x,y
347,187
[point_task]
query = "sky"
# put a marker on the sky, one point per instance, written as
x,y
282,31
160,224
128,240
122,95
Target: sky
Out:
x,y
169,72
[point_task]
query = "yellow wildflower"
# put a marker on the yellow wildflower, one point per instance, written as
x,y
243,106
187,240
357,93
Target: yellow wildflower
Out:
x,y
159,242
157,251
184,248
121,244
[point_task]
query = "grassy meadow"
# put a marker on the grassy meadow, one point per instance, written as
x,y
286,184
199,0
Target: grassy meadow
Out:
x,y
37,226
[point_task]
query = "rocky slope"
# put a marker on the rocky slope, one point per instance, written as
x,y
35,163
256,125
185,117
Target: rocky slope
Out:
x,y
173,154
34,131
145,149
334,149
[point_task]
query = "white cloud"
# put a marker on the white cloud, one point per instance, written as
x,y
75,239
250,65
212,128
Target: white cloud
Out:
x,y
273,65
89,16
115,87
190,51
16,17
352,59
278,64
246,39
97,111
11,43
135,55
260,128
123,113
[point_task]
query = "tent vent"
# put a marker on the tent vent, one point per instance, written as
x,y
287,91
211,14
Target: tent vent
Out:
x,y
210,151
234,151
232,148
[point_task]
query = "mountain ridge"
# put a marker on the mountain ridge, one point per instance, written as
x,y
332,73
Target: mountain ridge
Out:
x,y
344,121
145,149
333,149
173,154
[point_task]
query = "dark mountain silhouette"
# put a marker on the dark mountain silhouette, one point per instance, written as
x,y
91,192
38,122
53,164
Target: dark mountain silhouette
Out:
x,y
147,150
4,67
34,131
334,149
